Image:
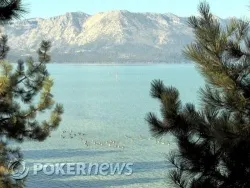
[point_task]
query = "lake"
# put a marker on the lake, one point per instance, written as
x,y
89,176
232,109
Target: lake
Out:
x,y
104,122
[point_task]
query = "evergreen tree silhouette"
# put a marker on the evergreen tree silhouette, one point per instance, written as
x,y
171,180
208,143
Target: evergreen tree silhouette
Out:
x,y
25,92
213,141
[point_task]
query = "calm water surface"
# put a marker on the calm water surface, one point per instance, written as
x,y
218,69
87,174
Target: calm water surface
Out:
x,y
108,103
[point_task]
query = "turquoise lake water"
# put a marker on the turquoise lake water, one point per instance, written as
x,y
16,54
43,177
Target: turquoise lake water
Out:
x,y
108,103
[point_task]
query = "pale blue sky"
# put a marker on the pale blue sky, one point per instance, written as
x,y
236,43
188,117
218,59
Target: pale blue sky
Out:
x,y
221,8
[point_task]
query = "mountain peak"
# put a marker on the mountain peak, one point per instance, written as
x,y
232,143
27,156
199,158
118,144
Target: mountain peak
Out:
x,y
118,11
116,35
112,13
78,13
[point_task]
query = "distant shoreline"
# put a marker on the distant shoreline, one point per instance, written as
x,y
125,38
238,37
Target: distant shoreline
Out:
x,y
119,63
113,64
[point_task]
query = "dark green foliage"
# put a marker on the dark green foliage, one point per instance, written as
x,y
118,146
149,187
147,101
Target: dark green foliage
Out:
x,y
25,92
18,110
7,154
10,9
3,46
213,142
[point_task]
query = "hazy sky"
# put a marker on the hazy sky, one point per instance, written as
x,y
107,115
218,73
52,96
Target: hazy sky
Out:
x,y
222,8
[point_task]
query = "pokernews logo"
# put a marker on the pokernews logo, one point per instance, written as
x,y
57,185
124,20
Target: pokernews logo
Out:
x,y
19,170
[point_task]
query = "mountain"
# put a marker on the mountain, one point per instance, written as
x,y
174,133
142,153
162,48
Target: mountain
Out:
x,y
114,36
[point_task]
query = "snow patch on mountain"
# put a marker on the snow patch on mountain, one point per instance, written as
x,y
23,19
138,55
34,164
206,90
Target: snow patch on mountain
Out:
x,y
117,35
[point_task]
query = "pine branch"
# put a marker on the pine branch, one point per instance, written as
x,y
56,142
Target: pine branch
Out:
x,y
213,143
11,9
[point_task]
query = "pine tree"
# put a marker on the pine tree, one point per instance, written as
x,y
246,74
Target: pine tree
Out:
x,y
10,9
25,92
213,141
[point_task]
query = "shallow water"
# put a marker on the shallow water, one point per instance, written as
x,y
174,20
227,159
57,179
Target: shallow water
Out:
x,y
108,103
